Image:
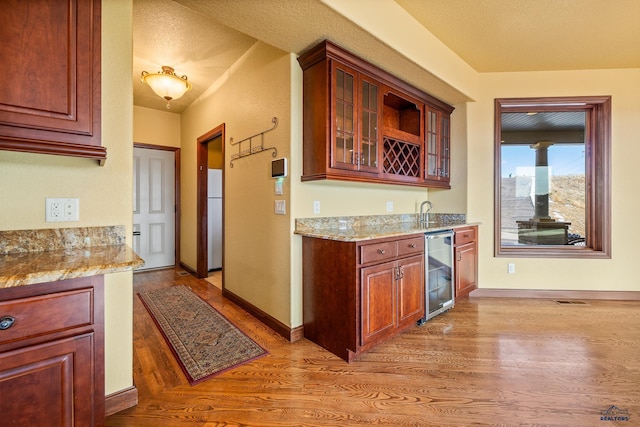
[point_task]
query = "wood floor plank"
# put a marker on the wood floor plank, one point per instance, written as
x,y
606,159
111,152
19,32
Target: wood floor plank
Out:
x,y
489,361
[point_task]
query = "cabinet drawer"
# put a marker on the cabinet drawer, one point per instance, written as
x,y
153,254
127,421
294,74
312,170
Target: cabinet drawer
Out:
x,y
465,235
411,246
45,314
378,252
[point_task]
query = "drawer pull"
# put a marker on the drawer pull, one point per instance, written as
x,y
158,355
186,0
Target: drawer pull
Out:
x,y
6,322
381,251
465,235
412,245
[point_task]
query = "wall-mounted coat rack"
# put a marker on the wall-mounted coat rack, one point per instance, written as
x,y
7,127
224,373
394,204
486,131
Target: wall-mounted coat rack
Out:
x,y
253,149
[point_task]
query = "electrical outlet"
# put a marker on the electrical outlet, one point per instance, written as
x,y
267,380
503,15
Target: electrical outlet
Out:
x,y
62,209
389,206
511,268
316,207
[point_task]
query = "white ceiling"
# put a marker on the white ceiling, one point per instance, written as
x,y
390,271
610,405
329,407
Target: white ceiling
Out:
x,y
203,38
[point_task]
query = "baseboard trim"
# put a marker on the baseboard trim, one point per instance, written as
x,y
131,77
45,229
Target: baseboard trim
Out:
x,y
555,294
280,328
188,269
120,400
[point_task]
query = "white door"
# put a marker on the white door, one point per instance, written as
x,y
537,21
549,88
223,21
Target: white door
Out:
x,y
154,207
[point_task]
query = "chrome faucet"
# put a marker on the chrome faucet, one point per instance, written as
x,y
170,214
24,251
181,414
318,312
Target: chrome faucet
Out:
x,y
423,219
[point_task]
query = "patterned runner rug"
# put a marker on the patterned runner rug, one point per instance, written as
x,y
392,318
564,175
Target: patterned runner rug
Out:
x,y
204,342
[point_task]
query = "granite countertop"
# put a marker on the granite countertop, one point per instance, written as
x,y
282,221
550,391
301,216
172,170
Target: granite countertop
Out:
x,y
359,228
37,256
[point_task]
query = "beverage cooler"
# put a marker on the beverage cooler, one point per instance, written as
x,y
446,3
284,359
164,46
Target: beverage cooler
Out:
x,y
439,277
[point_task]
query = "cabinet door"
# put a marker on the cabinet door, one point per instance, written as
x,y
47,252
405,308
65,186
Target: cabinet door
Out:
x,y
411,290
344,154
56,111
437,146
369,113
465,268
41,385
378,317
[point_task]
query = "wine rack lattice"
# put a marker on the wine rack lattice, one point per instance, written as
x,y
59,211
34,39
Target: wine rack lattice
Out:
x,y
401,158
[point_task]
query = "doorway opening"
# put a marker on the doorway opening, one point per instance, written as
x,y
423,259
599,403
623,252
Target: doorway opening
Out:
x,y
210,206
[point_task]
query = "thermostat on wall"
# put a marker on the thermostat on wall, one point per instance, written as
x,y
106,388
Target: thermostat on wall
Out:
x,y
279,168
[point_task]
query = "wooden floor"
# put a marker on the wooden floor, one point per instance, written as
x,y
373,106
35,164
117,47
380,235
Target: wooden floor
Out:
x,y
489,361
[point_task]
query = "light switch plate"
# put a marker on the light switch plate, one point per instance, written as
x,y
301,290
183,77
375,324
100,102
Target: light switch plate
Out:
x,y
281,207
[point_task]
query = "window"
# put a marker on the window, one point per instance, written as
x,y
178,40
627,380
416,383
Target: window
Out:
x,y
552,177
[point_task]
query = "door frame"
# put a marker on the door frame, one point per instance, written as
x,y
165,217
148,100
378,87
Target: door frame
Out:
x,y
202,267
176,170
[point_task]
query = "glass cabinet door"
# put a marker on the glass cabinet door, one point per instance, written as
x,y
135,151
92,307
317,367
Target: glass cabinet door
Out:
x,y
344,153
431,149
444,148
437,146
369,125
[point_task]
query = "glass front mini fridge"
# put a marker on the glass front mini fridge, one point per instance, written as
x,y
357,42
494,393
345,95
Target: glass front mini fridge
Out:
x,y
439,278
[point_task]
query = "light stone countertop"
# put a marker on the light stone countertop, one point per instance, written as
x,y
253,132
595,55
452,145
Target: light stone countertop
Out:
x,y
359,228
36,256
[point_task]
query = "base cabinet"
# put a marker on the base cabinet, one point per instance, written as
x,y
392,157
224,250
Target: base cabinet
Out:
x,y
52,354
356,294
466,260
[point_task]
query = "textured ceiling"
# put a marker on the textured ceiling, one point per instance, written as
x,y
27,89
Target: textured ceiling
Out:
x,y
167,33
203,38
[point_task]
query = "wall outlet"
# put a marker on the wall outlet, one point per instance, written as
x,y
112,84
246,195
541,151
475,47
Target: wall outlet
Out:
x,y
316,207
62,209
511,268
389,206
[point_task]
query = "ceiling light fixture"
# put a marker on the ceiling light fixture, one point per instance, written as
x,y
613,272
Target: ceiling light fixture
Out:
x,y
166,84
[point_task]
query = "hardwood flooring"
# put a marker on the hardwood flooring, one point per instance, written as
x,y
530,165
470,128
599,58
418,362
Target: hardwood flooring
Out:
x,y
489,361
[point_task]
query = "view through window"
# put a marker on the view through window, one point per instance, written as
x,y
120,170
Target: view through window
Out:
x,y
552,177
543,178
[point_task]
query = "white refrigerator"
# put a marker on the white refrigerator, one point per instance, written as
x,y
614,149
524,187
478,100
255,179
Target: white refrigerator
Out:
x,y
214,216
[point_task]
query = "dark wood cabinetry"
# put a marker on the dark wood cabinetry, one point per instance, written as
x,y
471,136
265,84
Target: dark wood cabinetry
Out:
x,y
358,293
466,260
52,354
364,124
50,90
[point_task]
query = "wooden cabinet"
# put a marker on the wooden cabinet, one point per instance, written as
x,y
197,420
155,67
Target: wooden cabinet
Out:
x,y
466,260
52,353
355,115
50,90
361,123
437,147
357,294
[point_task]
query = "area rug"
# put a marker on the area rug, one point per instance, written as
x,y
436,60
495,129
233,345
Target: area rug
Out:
x,y
204,342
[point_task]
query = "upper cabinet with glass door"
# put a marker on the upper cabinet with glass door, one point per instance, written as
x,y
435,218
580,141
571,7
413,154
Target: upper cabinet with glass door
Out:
x,y
355,120
361,123
437,146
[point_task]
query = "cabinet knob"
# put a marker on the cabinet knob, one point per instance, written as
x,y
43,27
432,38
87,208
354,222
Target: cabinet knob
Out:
x,y
6,322
381,251
412,245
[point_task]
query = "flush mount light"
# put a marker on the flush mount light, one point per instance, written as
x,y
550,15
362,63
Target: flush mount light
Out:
x,y
166,84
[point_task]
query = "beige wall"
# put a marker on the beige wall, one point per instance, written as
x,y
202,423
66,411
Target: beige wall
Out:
x,y
256,246
615,274
105,192
156,127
